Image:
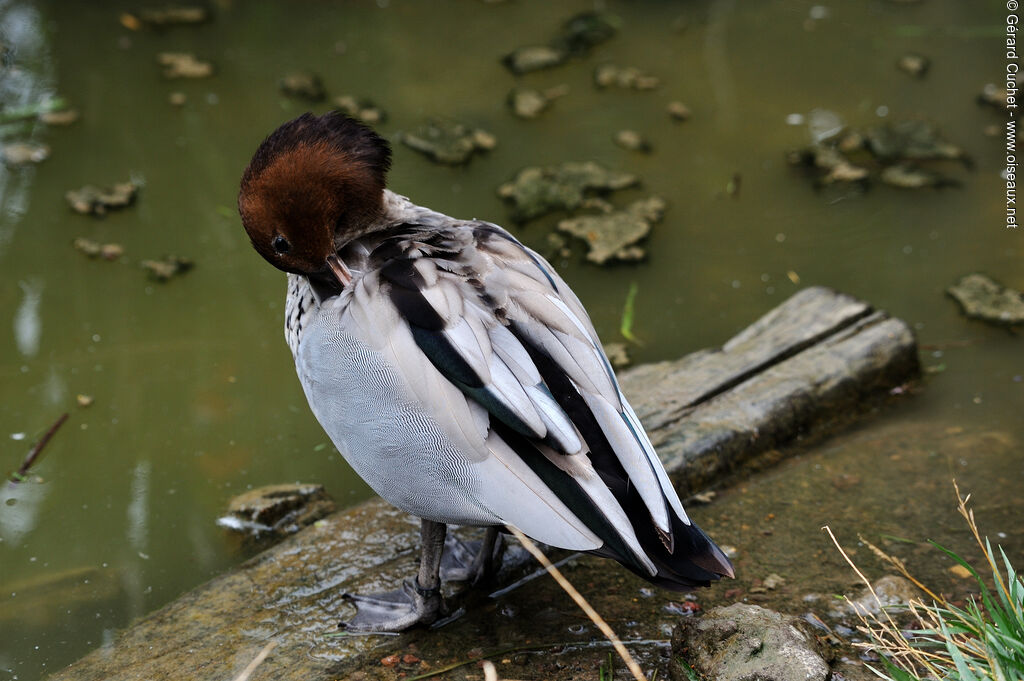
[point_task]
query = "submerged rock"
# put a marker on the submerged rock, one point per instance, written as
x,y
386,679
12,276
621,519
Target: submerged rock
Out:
x,y
362,109
449,143
166,268
95,249
678,111
890,592
983,298
62,117
529,103
90,200
536,191
303,85
612,236
577,36
533,58
585,30
277,510
914,64
995,96
911,140
23,153
183,65
626,77
890,153
912,176
632,141
746,643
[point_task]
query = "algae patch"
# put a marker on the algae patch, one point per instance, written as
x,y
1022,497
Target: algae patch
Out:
x,y
614,235
537,191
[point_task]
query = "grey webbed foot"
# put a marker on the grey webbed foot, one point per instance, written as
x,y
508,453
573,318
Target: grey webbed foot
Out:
x,y
472,561
395,610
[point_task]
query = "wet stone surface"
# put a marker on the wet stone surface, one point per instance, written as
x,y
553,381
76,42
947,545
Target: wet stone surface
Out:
x,y
614,235
983,298
448,142
277,510
744,641
91,200
890,592
537,191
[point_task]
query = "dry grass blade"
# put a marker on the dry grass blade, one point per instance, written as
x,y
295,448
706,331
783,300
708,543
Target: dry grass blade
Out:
x,y
983,639
256,662
901,567
887,636
631,663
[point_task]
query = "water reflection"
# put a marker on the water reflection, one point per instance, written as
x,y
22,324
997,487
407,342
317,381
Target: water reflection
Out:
x,y
26,78
27,323
138,508
19,509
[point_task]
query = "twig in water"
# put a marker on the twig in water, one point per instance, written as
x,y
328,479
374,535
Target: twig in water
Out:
x,y
31,457
256,661
528,544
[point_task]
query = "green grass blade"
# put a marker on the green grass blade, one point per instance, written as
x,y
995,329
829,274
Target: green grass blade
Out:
x,y
628,310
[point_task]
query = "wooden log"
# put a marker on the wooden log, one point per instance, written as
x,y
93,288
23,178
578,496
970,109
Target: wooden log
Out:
x,y
814,358
809,361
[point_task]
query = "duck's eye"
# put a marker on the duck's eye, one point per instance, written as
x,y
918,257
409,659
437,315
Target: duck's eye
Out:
x,y
281,244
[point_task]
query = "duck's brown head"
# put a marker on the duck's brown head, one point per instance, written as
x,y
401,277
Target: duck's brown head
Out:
x,y
314,184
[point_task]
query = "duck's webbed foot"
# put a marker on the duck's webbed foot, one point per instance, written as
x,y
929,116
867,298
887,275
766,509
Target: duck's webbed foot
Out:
x,y
472,561
417,602
395,610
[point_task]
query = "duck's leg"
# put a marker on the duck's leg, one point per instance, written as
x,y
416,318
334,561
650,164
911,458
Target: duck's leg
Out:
x,y
419,599
473,561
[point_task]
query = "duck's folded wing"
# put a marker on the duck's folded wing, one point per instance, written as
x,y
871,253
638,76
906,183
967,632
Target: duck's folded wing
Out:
x,y
512,491
505,331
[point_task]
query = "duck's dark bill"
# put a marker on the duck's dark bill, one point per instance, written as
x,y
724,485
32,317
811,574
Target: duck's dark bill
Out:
x,y
339,270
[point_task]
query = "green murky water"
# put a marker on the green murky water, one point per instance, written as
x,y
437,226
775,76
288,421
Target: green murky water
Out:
x,y
195,396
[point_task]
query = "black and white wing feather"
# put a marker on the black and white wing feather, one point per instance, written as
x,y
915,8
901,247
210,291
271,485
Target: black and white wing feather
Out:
x,y
518,378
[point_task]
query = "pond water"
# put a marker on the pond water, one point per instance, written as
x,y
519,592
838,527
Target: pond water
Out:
x,y
194,394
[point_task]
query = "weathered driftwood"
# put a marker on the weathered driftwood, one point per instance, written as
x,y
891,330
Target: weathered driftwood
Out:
x,y
815,357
